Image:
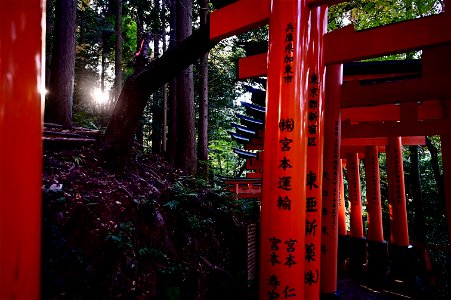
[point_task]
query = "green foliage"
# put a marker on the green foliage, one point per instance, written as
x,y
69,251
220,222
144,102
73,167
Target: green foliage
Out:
x,y
222,160
364,14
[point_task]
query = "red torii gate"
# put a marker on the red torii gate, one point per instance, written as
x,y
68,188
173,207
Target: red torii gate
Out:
x,y
22,35
410,120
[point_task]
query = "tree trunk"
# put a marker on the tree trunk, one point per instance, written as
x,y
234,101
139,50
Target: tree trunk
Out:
x,y
172,113
186,130
415,189
164,91
156,105
437,175
60,98
118,51
134,96
142,44
203,101
49,20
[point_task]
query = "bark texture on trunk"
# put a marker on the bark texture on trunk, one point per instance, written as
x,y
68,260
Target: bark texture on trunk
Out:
x,y
60,98
118,50
203,101
186,129
172,101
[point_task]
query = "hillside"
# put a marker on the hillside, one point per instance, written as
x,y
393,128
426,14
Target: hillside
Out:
x,y
145,232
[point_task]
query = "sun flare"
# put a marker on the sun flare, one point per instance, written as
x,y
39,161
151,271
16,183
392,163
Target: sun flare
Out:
x,y
99,97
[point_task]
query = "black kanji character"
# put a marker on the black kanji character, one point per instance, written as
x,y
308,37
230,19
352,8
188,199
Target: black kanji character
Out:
x,y
274,243
324,230
310,227
290,27
311,179
285,183
309,277
313,104
288,70
310,252
311,141
290,245
289,261
324,212
273,281
288,59
314,79
273,258
284,203
311,204
284,164
273,295
314,92
285,143
289,292
286,124
287,79
289,37
312,129
289,47
313,116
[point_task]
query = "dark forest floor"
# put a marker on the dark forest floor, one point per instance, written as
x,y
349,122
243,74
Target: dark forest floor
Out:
x,y
145,232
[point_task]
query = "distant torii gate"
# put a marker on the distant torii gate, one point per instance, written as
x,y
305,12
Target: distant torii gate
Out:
x,y
412,119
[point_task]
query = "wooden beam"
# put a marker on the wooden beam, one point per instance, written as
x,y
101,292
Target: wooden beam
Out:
x,y
238,17
344,45
427,110
256,66
420,89
393,129
252,66
345,150
381,141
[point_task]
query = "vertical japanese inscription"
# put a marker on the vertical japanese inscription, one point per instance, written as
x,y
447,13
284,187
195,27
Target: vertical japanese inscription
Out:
x,y
313,191
283,249
288,60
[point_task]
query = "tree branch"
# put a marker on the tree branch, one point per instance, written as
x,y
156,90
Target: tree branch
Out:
x,y
130,106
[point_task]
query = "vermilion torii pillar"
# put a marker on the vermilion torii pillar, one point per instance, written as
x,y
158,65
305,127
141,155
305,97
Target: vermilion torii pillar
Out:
x,y
377,246
399,249
331,165
283,206
357,239
22,34
397,194
355,197
342,228
343,238
315,139
373,195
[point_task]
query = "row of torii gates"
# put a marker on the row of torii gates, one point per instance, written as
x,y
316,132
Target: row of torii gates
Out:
x,y
316,116
303,137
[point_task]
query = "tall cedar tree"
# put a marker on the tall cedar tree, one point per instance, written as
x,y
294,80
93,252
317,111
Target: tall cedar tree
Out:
x,y
157,117
186,129
202,147
172,101
165,88
61,88
118,49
